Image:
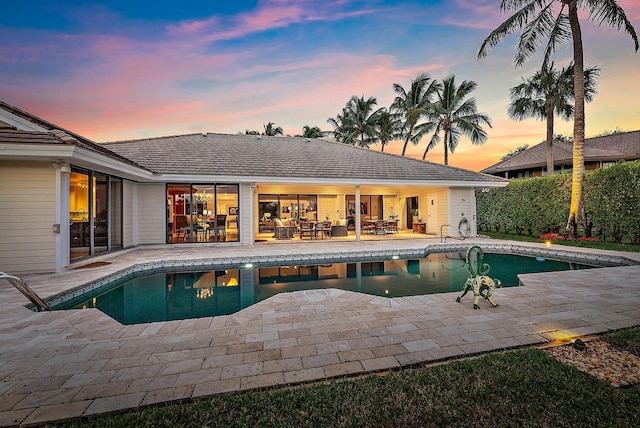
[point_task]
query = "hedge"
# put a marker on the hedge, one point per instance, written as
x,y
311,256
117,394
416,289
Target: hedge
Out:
x,y
541,205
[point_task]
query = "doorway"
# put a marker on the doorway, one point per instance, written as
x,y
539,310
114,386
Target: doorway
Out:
x,y
432,213
412,211
95,213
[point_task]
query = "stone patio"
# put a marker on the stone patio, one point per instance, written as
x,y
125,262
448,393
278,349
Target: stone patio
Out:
x,y
61,365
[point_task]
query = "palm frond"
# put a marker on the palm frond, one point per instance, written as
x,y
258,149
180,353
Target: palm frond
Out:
x,y
591,76
610,13
509,26
560,34
534,33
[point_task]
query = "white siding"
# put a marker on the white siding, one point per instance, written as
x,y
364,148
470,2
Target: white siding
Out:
x,y
462,205
246,216
151,207
328,206
27,215
128,201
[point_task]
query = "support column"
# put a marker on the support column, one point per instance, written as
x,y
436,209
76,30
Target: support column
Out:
x,y
62,226
357,219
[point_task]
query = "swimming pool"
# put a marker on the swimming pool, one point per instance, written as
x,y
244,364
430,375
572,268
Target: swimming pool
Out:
x,y
171,294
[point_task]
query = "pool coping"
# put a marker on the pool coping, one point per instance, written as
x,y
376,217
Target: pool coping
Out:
x,y
197,264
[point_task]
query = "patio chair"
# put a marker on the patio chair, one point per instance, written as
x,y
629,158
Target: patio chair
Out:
x,y
380,227
368,226
182,226
221,226
283,231
307,228
326,229
392,226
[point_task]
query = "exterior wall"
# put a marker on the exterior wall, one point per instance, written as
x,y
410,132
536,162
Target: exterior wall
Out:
x,y
462,205
246,212
328,206
128,214
390,207
151,206
27,215
442,207
440,211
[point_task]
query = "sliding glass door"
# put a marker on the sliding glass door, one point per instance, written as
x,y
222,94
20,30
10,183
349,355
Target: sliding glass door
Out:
x,y
95,213
202,213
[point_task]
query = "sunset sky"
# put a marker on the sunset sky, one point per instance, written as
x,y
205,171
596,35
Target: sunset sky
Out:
x,y
116,70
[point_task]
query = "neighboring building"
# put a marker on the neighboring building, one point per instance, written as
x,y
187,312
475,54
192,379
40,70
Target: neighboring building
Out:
x,y
598,152
65,198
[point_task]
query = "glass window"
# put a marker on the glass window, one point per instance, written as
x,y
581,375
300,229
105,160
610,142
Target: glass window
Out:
x,y
371,206
80,238
95,213
285,207
202,213
268,210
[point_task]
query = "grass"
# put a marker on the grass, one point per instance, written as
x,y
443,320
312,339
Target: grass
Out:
x,y
628,339
516,388
584,244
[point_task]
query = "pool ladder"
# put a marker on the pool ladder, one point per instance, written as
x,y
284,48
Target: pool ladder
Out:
x,y
26,291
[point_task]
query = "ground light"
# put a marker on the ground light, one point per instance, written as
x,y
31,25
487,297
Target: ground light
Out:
x,y
579,345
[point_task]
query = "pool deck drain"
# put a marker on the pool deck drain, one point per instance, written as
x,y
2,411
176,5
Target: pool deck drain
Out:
x,y
62,365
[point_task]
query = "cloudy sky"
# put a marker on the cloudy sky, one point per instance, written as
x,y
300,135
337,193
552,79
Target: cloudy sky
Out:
x,y
115,70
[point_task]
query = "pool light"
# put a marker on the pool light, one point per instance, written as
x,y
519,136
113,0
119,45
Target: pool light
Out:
x,y
248,265
394,257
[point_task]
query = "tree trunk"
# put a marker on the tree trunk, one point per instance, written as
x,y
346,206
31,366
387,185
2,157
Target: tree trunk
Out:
x,y
406,140
578,121
550,139
446,147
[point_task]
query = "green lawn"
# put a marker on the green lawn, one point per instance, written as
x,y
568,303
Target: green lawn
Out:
x,y
516,388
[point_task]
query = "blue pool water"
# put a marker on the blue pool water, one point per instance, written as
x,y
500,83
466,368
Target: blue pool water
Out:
x,y
183,295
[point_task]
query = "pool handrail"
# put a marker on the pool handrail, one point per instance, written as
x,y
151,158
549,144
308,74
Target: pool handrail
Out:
x,y
26,291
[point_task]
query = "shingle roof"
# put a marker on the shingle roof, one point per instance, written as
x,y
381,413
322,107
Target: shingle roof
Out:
x,y
8,135
622,145
53,134
282,157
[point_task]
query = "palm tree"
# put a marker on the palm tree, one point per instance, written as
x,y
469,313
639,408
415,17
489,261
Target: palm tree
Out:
x,y
251,132
357,123
271,131
387,128
547,93
412,106
557,22
343,128
364,118
309,132
455,115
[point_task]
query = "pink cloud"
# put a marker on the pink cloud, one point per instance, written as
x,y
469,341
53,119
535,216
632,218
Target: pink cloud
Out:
x,y
268,15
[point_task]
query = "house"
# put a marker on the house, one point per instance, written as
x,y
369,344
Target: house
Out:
x,y
65,198
599,152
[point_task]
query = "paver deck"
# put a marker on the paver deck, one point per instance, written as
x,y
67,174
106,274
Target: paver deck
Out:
x,y
66,364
